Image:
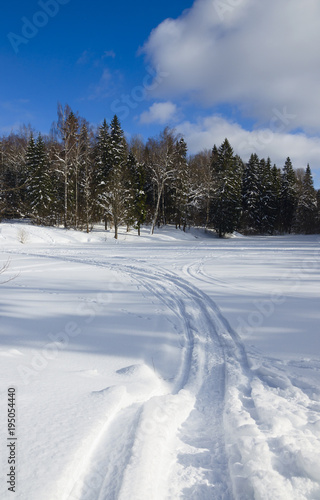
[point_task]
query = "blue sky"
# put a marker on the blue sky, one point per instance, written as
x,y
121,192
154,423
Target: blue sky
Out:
x,y
86,55
241,69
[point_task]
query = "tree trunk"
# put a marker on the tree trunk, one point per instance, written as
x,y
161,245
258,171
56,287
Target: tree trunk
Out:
x,y
157,210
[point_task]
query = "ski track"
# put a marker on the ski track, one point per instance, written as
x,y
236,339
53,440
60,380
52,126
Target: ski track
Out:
x,y
196,270
214,427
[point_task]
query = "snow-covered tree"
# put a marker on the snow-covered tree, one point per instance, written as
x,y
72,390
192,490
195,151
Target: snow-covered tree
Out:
x,y
250,194
102,157
306,213
39,195
160,163
288,196
117,193
226,202
86,190
68,127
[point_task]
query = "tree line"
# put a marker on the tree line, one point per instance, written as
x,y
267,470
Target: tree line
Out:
x,y
77,177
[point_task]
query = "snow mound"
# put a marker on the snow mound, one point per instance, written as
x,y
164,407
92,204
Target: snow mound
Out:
x,y
139,370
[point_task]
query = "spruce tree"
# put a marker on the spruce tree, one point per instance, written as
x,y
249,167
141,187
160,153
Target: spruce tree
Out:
x,y
250,194
267,202
288,197
117,186
39,196
306,214
179,185
226,203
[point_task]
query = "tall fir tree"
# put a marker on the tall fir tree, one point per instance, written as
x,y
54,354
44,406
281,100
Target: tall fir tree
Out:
x,y
179,184
226,203
288,197
118,190
102,160
250,194
306,214
267,202
39,197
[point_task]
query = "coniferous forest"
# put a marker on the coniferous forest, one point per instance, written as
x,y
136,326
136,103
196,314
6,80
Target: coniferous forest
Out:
x,y
77,177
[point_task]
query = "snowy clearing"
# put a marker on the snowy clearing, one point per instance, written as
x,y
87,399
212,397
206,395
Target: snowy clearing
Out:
x,y
173,366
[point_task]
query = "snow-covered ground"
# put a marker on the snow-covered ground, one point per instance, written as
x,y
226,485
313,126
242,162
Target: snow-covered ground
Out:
x,y
177,366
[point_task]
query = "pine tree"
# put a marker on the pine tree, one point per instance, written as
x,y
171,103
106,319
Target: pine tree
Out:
x,y
267,199
318,211
226,203
306,215
39,196
276,182
288,197
102,170
179,185
250,194
117,189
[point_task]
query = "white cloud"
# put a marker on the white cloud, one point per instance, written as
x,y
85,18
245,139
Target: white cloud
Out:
x,y
159,112
255,55
264,142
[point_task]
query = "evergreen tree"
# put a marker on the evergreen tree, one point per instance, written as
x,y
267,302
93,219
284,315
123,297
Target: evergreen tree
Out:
x,y
318,211
276,182
288,197
267,199
250,194
118,191
226,203
39,197
102,170
306,215
179,185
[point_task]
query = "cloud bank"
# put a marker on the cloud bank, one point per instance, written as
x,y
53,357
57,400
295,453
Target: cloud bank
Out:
x,y
255,55
264,142
159,112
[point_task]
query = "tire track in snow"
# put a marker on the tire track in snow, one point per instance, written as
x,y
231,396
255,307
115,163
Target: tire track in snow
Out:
x,y
261,425
168,412
196,271
219,394
197,395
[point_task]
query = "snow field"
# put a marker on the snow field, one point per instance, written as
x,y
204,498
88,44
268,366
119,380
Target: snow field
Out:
x,y
165,367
